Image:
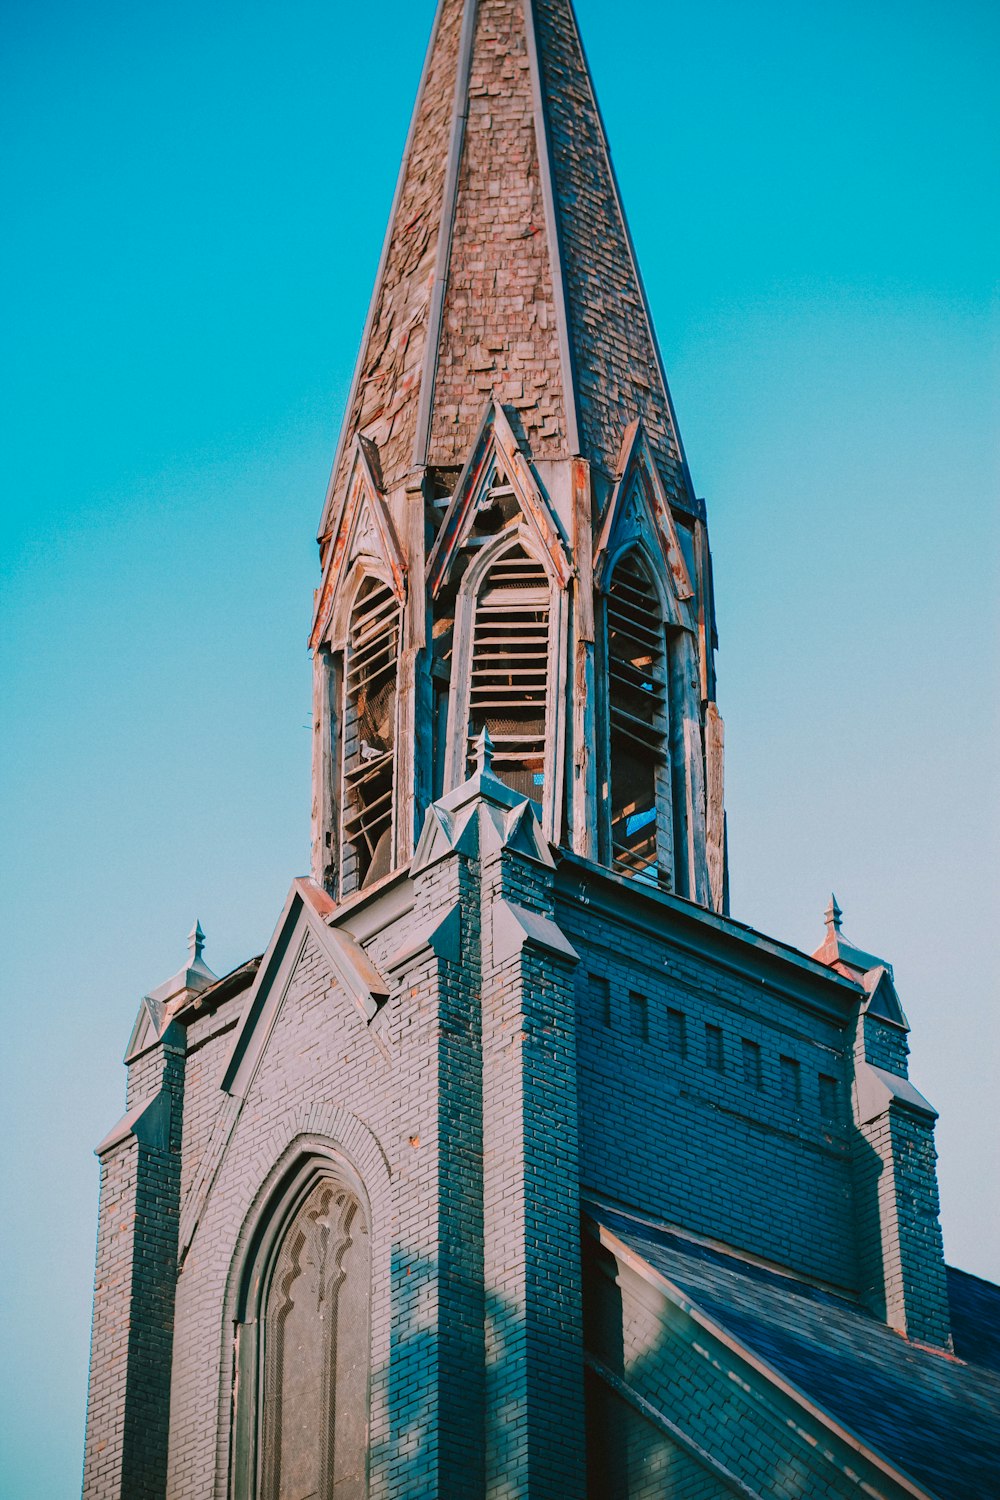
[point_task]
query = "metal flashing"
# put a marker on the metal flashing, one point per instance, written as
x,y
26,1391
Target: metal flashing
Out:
x,y
441,936
515,927
148,1123
877,1091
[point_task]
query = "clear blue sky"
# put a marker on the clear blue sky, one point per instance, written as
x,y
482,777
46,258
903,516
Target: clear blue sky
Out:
x,y
195,198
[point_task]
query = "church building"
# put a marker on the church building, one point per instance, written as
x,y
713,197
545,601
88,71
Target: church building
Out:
x,y
516,1168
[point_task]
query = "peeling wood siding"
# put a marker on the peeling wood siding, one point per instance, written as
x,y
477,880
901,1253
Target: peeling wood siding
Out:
x,y
687,756
499,334
582,773
715,816
324,853
509,278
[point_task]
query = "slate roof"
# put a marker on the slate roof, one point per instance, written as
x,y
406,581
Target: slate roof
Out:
x,y
934,1417
508,269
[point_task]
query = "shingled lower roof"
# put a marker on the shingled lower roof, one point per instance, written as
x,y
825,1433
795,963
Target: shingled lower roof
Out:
x,y
508,270
934,1417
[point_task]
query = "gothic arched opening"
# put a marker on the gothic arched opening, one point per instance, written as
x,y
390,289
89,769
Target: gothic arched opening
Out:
x,y
303,1351
369,735
509,689
638,724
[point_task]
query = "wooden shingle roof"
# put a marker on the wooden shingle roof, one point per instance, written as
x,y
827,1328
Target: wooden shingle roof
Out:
x,y
508,270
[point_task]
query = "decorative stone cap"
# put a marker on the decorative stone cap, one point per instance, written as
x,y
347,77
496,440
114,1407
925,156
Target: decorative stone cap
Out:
x,y
480,817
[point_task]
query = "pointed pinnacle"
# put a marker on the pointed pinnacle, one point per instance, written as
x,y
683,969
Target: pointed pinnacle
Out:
x,y
833,914
196,943
484,753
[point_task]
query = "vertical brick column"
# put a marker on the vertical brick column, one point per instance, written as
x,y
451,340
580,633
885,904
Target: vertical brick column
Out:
x,y
437,1373
900,1247
128,1410
534,1370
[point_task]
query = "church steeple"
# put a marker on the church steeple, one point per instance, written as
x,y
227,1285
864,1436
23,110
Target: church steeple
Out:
x,y
507,270
508,442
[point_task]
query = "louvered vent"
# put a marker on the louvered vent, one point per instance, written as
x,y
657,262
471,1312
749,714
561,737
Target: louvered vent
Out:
x,y
370,735
637,693
510,670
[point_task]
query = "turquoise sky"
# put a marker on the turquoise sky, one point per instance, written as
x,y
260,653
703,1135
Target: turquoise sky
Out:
x,y
195,198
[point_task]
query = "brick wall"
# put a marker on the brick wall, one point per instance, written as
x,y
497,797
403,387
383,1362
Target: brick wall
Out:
x,y
543,1031
128,1411
710,1098
672,1403
535,1429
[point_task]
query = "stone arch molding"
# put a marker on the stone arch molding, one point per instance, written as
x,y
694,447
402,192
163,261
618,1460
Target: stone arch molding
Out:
x,y
324,1140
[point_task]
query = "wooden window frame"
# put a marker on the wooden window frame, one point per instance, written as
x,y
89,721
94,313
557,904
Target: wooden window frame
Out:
x,y
517,535
667,770
343,770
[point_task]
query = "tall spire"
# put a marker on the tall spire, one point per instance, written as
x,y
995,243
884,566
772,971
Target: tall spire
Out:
x,y
510,541
508,270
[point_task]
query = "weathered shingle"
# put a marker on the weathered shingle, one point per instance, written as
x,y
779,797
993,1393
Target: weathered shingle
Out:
x,y
508,200
935,1417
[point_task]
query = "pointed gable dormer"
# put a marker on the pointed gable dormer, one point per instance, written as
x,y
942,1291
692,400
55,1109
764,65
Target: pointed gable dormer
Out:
x,y
508,286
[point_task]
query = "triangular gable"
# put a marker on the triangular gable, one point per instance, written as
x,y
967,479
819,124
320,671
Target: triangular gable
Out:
x,y
146,1030
639,511
883,1001
496,451
304,915
364,529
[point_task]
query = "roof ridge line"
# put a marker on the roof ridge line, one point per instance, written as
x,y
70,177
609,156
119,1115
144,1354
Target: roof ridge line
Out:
x,y
552,230
633,258
446,233
600,1203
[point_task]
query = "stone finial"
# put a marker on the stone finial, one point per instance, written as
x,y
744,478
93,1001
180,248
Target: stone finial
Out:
x,y
484,753
833,916
196,943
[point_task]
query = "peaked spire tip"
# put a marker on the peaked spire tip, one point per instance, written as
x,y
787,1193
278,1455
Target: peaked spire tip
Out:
x,y
484,753
196,943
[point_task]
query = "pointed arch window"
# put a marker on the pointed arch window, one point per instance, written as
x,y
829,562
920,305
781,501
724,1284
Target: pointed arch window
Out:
x,y
303,1350
369,736
638,715
510,671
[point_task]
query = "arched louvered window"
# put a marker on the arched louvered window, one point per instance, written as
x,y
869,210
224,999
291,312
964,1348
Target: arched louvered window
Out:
x,y
509,690
369,736
638,727
304,1352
